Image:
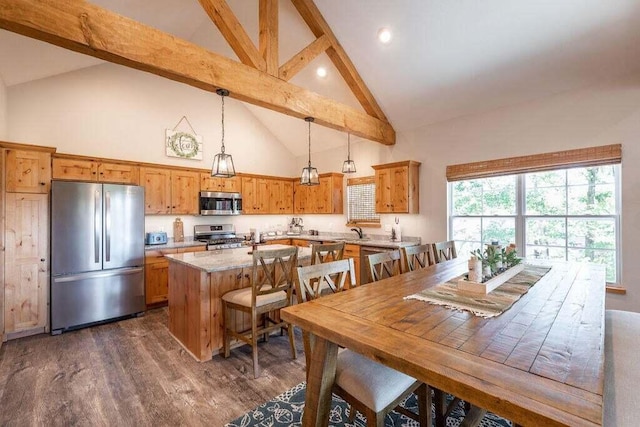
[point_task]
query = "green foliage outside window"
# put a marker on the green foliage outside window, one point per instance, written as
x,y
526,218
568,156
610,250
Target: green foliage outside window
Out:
x,y
567,214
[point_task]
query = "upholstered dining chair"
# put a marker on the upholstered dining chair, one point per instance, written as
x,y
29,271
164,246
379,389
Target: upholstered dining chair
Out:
x,y
384,264
415,257
368,386
272,284
445,251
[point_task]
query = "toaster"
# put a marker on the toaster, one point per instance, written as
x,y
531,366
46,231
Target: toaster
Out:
x,y
156,238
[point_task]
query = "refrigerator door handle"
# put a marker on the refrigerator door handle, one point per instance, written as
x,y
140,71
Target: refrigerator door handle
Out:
x,y
107,222
108,273
96,227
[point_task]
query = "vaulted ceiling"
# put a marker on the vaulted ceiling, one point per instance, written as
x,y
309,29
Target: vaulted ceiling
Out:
x,y
447,59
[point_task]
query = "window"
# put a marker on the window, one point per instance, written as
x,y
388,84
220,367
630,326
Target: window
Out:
x,y
361,202
567,214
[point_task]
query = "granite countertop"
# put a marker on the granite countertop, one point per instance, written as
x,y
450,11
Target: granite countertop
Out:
x,y
367,241
188,242
227,259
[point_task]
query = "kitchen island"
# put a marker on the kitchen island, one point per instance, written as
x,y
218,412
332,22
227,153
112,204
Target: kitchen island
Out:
x,y
197,282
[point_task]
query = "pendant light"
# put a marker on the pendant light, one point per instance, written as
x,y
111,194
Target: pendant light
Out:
x,y
309,174
222,162
349,165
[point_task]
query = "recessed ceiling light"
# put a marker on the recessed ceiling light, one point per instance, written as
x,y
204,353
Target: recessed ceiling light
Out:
x,y
321,72
384,35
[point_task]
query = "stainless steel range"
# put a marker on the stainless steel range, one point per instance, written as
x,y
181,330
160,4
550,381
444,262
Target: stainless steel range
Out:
x,y
219,236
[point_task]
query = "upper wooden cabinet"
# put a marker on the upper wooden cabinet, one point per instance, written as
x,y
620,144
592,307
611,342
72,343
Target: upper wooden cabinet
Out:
x,y
255,195
170,191
27,171
224,185
95,170
326,198
280,196
397,188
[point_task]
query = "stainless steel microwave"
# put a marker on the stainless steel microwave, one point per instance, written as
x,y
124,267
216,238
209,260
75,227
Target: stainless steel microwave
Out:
x,y
215,203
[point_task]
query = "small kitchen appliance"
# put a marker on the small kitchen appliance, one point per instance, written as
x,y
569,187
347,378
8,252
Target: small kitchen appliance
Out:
x,y
217,203
218,236
296,226
155,238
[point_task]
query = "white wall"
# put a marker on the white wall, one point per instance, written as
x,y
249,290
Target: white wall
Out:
x,y
607,113
116,112
3,110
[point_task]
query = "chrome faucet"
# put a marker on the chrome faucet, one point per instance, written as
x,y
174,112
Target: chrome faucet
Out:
x,y
359,231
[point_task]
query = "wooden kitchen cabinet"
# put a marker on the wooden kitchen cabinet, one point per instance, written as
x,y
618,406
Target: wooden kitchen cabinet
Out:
x,y
157,190
279,242
255,195
353,251
27,171
223,185
326,198
26,275
397,187
170,191
281,196
156,273
81,169
185,187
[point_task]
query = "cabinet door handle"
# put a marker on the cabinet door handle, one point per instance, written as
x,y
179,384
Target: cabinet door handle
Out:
x,y
42,183
42,259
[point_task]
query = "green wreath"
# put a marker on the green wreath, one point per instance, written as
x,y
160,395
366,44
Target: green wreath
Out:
x,y
183,144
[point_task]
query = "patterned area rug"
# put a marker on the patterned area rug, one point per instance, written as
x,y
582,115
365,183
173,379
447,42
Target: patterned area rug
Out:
x,y
492,304
286,410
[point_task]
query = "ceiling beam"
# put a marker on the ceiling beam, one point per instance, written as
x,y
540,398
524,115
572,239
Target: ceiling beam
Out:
x,y
268,23
318,26
233,32
304,57
83,27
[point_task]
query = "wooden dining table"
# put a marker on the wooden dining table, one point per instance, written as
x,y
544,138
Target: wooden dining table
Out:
x,y
539,363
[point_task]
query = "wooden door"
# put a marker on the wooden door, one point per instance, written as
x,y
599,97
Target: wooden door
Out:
x,y
119,173
209,183
323,195
383,191
230,185
275,197
286,197
399,189
185,187
2,245
300,198
26,263
28,171
156,281
249,195
157,190
74,169
262,195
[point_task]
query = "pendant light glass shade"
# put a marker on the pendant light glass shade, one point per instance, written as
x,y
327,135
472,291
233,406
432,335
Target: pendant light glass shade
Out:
x,y
349,165
309,174
223,163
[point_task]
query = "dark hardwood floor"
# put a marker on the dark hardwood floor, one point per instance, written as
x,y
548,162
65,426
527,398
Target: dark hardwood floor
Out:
x,y
133,372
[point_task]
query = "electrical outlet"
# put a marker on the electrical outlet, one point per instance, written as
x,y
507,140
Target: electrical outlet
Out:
x,y
387,228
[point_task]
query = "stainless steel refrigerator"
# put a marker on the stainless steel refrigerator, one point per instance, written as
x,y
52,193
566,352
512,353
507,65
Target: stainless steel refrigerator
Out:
x,y
97,253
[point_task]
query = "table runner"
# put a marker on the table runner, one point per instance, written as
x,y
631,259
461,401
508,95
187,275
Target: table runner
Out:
x,y
492,304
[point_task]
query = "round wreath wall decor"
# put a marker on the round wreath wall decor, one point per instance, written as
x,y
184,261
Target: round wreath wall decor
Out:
x,y
184,145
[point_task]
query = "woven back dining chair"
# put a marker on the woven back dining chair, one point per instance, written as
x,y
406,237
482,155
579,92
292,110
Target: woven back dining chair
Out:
x,y
415,257
367,386
272,284
445,251
384,264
